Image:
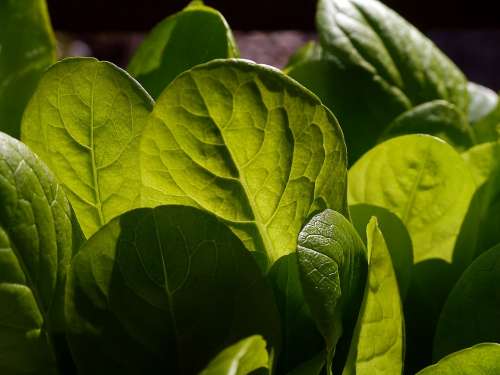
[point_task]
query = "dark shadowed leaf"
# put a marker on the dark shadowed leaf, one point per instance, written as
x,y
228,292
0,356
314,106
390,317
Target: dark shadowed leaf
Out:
x,y
164,290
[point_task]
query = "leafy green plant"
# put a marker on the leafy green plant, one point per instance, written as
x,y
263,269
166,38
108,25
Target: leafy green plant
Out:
x,y
202,219
27,48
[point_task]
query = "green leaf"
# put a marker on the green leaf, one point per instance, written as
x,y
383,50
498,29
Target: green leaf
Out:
x,y
481,359
241,358
482,101
85,122
339,87
427,184
470,315
193,36
172,285
378,60
301,339
368,35
314,366
487,129
396,236
27,48
332,265
310,51
378,341
35,251
484,160
438,118
248,144
422,180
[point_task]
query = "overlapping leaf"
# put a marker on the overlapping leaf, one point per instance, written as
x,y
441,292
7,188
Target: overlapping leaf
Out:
x,y
248,144
85,122
241,358
172,286
35,250
332,265
378,343
481,359
193,36
27,48
470,315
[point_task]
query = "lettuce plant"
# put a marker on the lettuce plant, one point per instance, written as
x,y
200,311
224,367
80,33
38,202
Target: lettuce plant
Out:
x,y
202,214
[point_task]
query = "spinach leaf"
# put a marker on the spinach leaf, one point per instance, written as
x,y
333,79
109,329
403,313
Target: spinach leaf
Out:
x,y
301,339
35,251
27,48
438,118
376,60
396,237
310,51
487,129
332,265
368,35
484,160
378,341
427,184
172,285
248,144
193,36
85,121
422,180
470,315
339,87
241,358
481,359
482,101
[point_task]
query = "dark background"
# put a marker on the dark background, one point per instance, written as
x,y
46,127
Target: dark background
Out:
x,y
134,15
468,31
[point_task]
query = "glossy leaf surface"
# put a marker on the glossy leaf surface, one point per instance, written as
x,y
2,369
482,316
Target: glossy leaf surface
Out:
x,y
332,265
482,101
35,251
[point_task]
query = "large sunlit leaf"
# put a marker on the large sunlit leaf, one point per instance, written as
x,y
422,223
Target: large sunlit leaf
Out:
x,y
193,36
332,264
163,290
85,122
35,251
481,359
378,343
27,48
248,144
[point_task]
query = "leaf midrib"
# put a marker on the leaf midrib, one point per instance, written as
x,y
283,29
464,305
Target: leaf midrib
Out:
x,y
95,176
258,220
